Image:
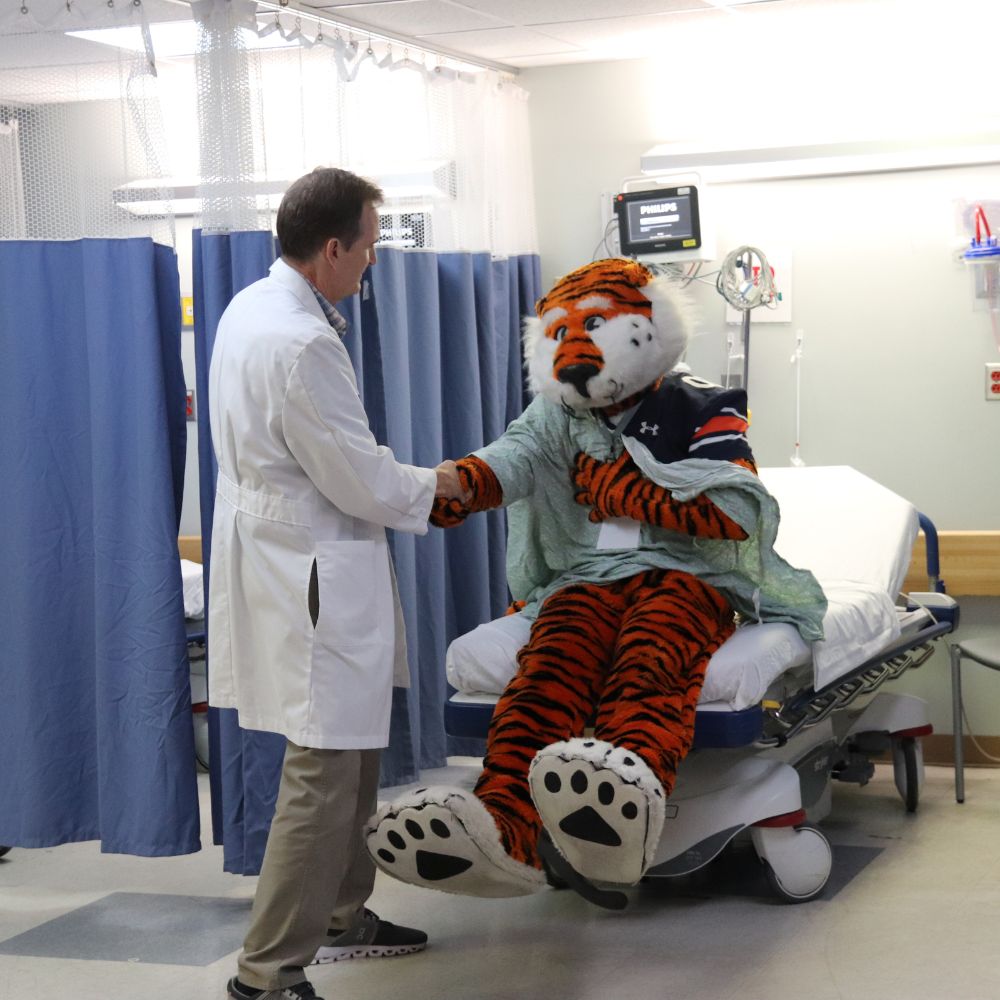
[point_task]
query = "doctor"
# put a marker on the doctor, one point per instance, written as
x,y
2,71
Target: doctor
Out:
x,y
305,628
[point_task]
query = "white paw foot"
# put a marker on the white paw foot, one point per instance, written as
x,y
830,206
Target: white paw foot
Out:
x,y
602,806
443,838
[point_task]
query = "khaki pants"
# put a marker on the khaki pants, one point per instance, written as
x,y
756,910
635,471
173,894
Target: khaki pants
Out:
x,y
316,873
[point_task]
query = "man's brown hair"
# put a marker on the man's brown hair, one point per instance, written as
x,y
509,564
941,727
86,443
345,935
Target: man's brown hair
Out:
x,y
324,204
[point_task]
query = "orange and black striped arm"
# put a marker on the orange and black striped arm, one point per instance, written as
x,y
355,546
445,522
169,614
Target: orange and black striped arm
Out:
x,y
619,489
480,483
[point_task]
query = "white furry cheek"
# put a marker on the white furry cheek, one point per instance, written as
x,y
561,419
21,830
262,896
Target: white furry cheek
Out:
x,y
540,367
553,391
634,358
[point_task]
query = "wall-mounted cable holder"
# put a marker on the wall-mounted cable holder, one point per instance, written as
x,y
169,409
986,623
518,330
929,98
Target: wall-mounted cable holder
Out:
x,y
983,253
983,245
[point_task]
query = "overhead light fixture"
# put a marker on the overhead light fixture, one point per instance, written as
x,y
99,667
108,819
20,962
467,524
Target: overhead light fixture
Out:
x,y
729,165
182,195
412,188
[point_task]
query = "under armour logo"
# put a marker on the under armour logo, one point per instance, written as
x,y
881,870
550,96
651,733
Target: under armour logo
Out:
x,y
649,428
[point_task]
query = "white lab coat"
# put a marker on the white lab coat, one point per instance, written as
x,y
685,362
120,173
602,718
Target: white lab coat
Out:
x,y
302,481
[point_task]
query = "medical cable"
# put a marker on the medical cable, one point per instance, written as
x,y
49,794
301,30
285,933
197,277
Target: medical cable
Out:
x,y
744,286
603,241
920,604
684,275
973,740
965,716
691,274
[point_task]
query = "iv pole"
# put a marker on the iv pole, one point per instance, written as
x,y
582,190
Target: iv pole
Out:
x,y
743,294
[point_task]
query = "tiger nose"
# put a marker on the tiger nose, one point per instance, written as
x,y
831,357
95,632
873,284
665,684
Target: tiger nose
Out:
x,y
578,376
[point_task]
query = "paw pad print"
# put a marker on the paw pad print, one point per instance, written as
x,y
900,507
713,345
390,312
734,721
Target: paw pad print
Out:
x,y
593,805
420,841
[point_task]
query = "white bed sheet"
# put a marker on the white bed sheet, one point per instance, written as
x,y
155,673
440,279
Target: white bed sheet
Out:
x,y
859,622
194,589
857,538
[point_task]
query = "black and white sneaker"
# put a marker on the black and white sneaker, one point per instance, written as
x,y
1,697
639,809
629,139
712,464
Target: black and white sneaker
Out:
x,y
371,938
300,991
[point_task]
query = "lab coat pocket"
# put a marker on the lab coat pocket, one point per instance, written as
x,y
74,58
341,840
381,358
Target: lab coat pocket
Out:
x,y
355,594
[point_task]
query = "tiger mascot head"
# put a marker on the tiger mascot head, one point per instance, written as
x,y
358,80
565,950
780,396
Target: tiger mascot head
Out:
x,y
604,333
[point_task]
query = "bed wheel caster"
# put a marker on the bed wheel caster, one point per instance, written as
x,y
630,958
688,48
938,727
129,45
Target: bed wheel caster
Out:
x,y
908,769
796,860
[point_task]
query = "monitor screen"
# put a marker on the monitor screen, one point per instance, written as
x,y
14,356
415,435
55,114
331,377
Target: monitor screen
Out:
x,y
658,221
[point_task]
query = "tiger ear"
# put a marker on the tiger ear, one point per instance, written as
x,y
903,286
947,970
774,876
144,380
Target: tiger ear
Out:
x,y
637,274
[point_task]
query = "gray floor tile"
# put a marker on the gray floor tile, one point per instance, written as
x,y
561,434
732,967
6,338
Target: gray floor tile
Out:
x,y
738,873
139,927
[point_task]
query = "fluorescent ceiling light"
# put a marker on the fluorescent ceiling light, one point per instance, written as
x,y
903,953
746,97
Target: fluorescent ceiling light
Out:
x,y
172,38
182,196
779,162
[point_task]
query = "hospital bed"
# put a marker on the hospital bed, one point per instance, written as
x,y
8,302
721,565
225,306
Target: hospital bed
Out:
x,y
778,721
192,580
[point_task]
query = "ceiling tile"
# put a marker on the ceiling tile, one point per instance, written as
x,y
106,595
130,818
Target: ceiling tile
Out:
x,y
629,37
415,17
501,43
539,12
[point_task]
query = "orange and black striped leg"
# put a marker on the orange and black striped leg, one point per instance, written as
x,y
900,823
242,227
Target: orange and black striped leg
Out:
x,y
672,627
551,698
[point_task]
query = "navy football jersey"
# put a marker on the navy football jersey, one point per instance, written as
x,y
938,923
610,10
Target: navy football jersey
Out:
x,y
687,417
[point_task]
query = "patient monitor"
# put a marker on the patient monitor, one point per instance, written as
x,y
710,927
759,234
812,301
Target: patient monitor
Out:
x,y
658,221
662,218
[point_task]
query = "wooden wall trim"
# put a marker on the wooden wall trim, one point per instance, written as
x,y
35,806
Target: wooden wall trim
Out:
x,y
189,547
939,748
970,563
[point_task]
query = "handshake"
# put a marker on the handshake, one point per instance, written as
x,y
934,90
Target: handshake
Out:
x,y
449,486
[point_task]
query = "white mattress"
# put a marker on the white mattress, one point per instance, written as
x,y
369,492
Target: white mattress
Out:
x,y
857,538
843,526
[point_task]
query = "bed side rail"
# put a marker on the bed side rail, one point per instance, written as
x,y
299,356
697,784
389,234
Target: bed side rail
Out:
x,y
811,707
936,600
935,583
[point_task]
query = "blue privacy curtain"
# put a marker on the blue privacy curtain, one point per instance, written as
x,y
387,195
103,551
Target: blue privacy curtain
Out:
x,y
449,327
95,717
244,766
435,341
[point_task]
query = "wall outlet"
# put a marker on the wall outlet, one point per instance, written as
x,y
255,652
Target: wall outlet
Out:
x,y
993,381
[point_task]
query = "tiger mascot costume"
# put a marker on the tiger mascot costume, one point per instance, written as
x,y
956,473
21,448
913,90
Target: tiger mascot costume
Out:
x,y
602,555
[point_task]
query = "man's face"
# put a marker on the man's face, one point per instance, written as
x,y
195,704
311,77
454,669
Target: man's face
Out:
x,y
340,268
